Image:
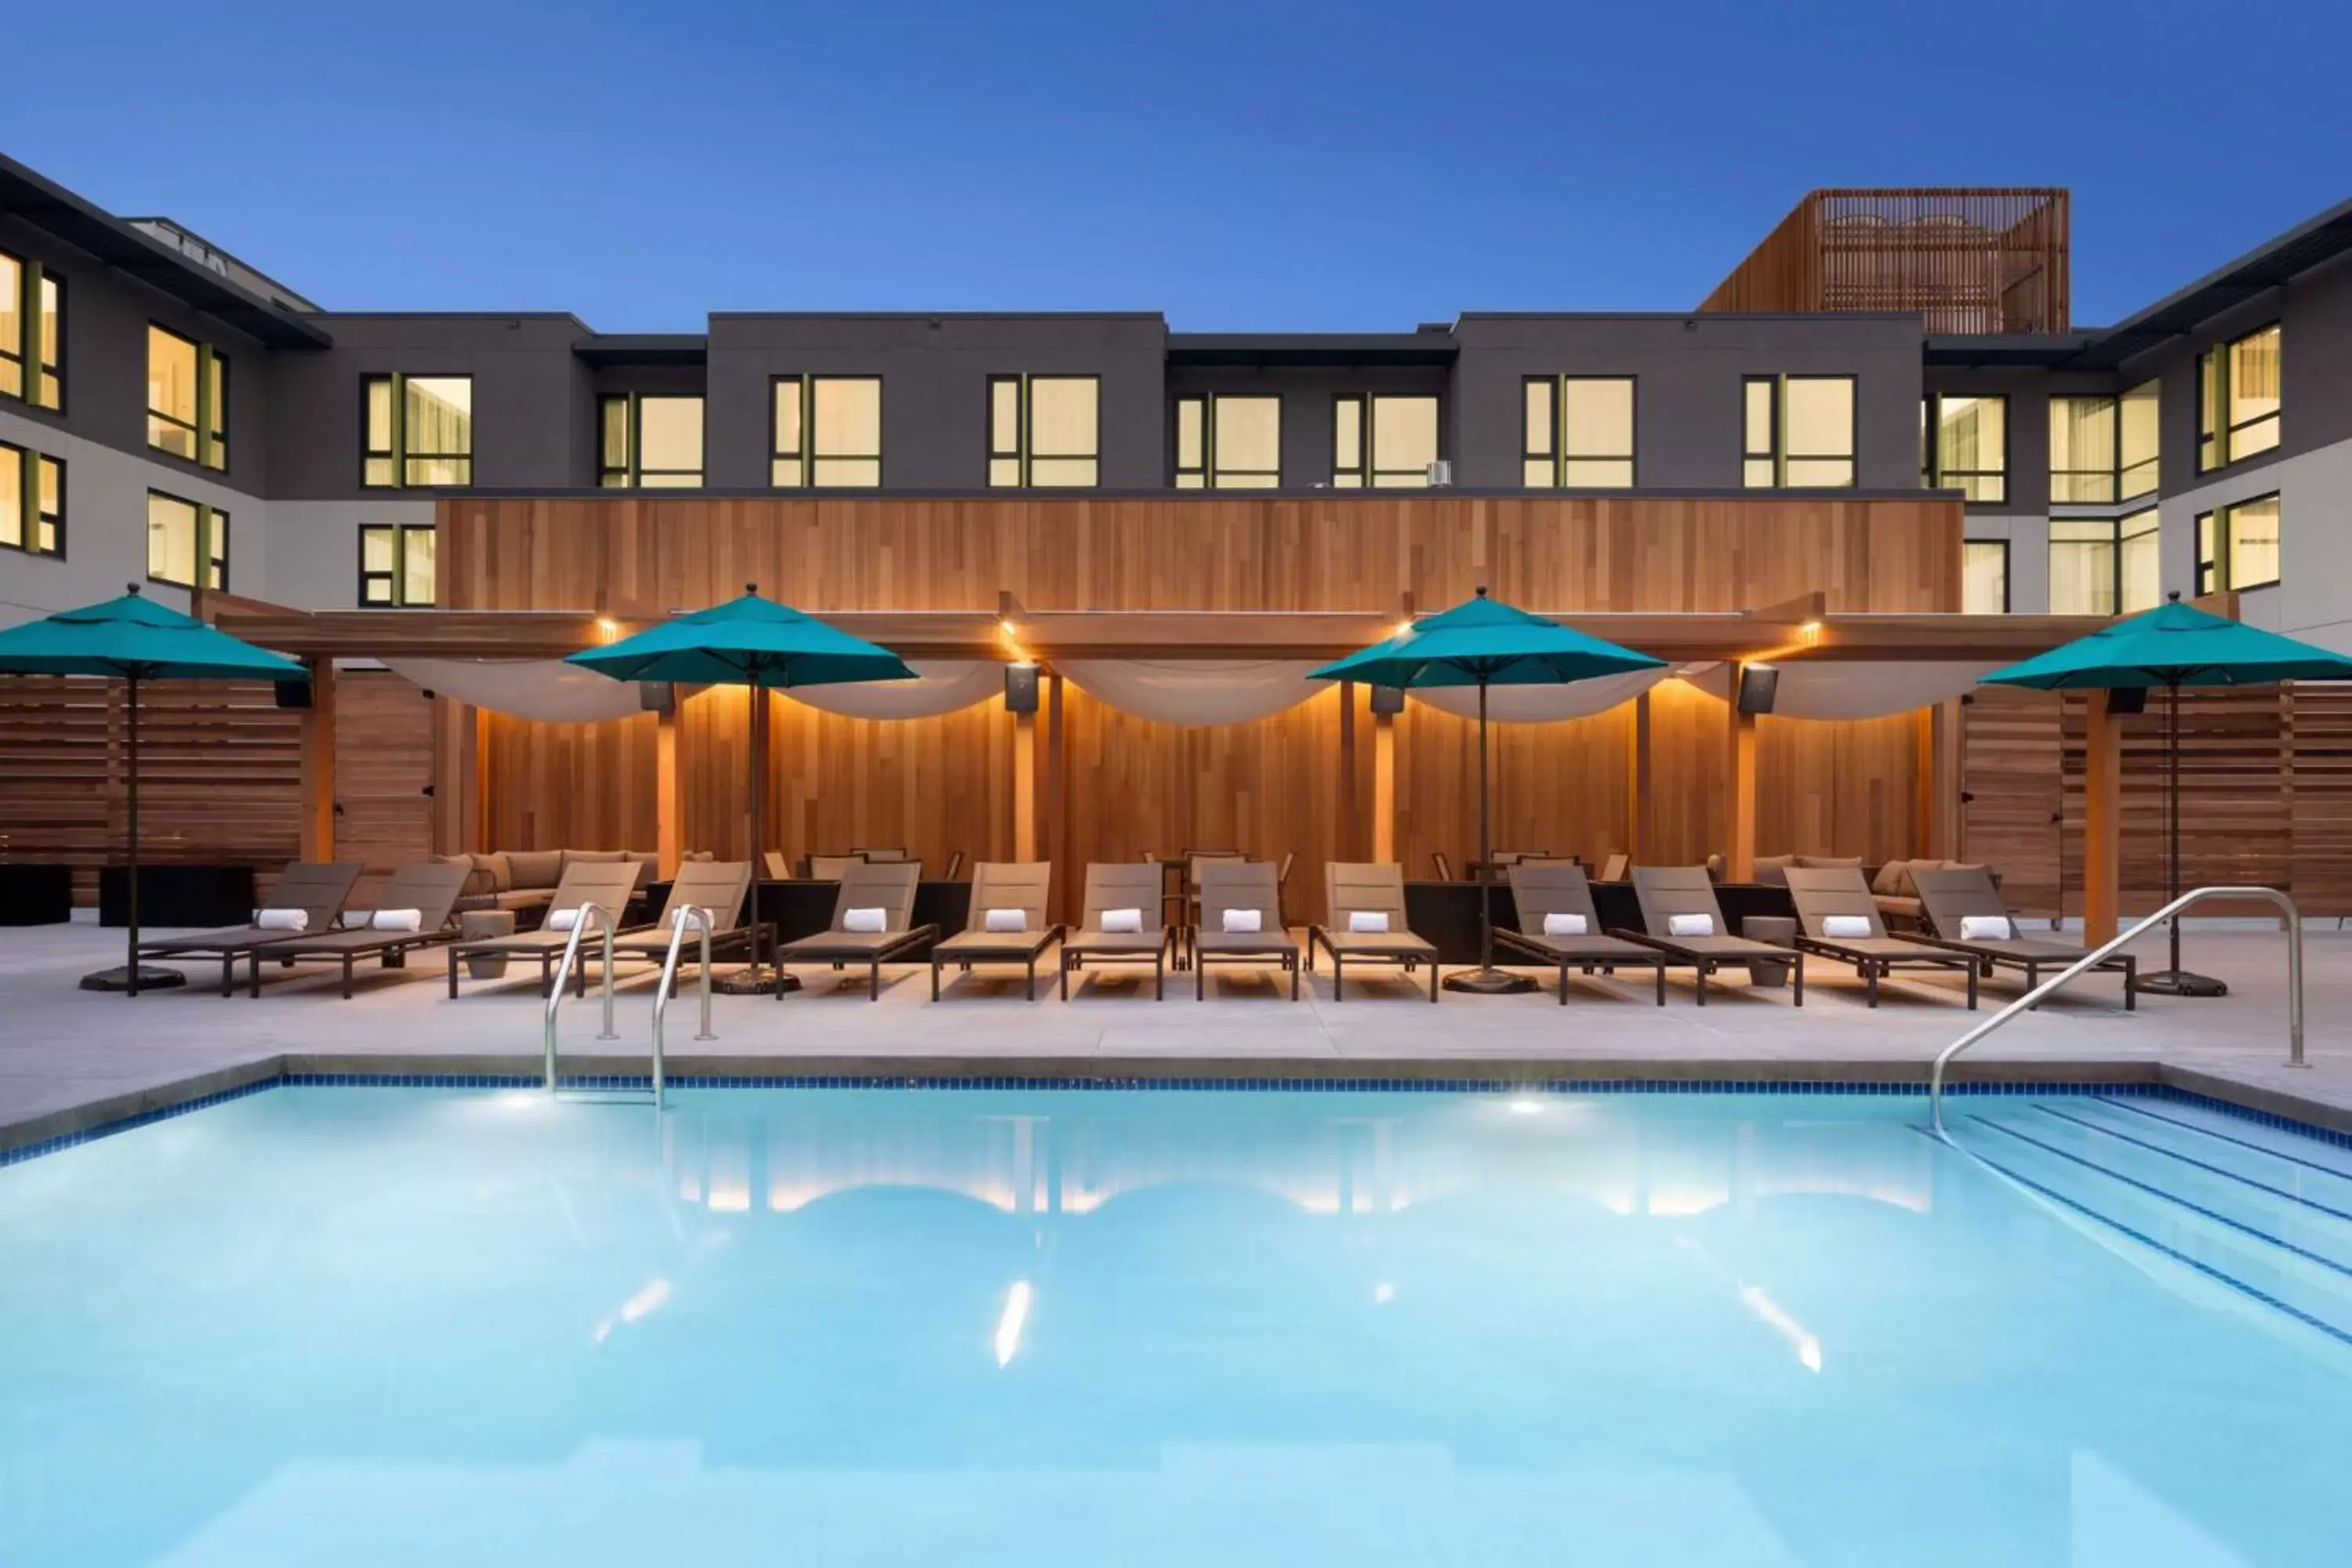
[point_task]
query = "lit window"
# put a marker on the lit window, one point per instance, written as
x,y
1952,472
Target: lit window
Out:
x,y
2238,399
2139,563
1383,442
187,398
1228,442
825,431
2101,567
649,440
1984,577
2104,449
179,534
1964,445
396,566
419,431
1044,431
1798,432
2238,547
39,529
1577,432
30,294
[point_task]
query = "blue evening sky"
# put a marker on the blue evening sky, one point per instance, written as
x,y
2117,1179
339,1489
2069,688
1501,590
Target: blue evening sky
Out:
x,y
1307,165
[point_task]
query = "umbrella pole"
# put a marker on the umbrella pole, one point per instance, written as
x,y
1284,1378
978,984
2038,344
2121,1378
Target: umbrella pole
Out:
x,y
756,979
1486,979
2175,980
131,979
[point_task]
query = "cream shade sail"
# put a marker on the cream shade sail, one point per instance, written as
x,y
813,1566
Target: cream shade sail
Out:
x,y
944,686
1853,688
1543,704
1194,691
544,689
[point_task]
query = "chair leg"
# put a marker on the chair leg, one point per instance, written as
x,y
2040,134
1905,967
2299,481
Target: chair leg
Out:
x,y
228,974
347,977
1292,964
1160,976
1659,968
873,981
1199,979
1870,982
1701,968
935,980
1031,991
1338,976
1800,980
1972,988
2131,982
1432,981
1066,977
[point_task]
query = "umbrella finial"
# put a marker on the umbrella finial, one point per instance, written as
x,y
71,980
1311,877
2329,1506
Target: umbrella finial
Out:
x,y
751,587
2173,598
1482,589
131,588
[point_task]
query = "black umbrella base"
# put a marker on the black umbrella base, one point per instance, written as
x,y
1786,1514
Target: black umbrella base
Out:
x,y
1490,983
754,982
118,978
2180,983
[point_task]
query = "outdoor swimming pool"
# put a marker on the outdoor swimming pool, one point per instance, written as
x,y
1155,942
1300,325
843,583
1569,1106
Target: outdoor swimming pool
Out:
x,y
368,1325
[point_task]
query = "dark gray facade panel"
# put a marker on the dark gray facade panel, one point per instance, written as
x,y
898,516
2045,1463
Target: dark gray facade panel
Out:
x,y
1687,400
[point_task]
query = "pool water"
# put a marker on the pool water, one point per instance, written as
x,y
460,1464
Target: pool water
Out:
x,y
373,1326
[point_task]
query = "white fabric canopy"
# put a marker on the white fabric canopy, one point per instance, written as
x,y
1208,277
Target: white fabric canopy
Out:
x,y
1542,704
946,686
543,689
1195,691
1855,689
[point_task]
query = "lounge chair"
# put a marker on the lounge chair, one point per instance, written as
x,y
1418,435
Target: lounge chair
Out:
x,y
319,890
605,886
1373,887
1541,891
1117,885
1949,897
1614,868
430,889
831,868
777,867
721,887
1002,885
1241,887
887,886
1824,895
1667,891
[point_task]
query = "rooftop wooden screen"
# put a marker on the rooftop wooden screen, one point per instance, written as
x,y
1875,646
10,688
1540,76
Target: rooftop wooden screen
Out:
x,y
1970,260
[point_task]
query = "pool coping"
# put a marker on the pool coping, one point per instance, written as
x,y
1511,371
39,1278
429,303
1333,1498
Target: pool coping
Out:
x,y
48,1132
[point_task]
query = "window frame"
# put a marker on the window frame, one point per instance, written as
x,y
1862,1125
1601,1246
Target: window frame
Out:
x,y
1366,475
1023,453
2218,438
2007,586
211,529
2116,541
34,365
32,518
195,427
1932,472
1778,454
2216,561
1559,460
1210,473
806,457
631,474
395,580
398,455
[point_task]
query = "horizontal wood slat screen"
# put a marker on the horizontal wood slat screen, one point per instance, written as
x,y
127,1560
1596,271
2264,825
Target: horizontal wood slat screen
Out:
x,y
384,761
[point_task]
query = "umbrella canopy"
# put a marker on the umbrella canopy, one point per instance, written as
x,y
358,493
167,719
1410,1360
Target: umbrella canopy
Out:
x,y
131,638
748,641
2175,645
1484,642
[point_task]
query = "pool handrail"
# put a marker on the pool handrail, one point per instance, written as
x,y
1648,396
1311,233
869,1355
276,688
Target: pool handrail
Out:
x,y
699,918
2287,907
588,914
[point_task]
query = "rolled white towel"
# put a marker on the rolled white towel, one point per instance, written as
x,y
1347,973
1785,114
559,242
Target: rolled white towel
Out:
x,y
1006,920
563,920
1845,925
1558,923
1690,925
1122,919
681,915
281,920
1374,922
865,921
1986,928
1241,922
396,919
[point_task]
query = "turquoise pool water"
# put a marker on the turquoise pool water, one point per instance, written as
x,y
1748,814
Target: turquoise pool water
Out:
x,y
374,1326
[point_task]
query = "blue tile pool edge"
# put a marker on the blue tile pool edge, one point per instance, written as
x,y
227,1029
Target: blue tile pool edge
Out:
x,y
2097,1089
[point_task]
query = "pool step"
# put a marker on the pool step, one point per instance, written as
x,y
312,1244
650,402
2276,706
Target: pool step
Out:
x,y
2270,1216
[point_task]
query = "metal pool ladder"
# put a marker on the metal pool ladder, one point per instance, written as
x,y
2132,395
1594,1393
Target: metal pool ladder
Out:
x,y
2194,896
590,914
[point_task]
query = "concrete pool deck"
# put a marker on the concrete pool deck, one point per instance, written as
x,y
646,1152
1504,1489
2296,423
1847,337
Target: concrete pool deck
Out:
x,y
71,1060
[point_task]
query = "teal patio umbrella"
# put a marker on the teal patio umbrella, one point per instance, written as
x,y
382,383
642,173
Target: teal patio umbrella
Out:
x,y
1482,642
754,642
2173,646
132,639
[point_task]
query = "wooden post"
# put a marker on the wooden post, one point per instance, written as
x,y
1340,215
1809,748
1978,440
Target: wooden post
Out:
x,y
1941,768
1383,786
1637,782
2103,770
319,764
1740,787
477,783
1024,786
1350,808
1070,882
668,851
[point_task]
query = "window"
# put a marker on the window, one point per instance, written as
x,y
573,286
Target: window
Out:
x,y
1383,442
28,294
2238,399
1984,577
1964,445
179,534
39,529
2238,547
2102,449
396,565
2101,567
187,398
419,431
825,431
1043,431
1577,432
1228,442
649,440
1798,432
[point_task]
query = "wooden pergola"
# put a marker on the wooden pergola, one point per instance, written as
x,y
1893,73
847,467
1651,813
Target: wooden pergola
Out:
x,y
1795,632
